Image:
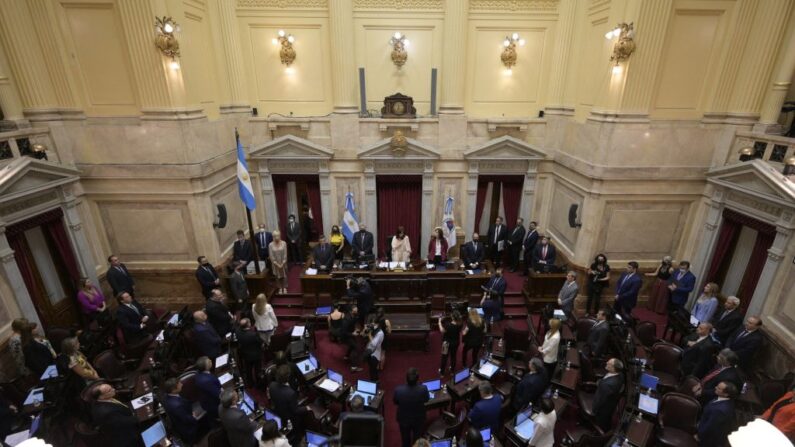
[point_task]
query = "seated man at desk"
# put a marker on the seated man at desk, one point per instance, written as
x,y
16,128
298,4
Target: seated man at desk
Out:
x,y
323,255
115,420
544,255
472,253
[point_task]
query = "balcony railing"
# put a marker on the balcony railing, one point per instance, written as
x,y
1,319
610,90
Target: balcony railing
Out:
x,y
33,142
772,148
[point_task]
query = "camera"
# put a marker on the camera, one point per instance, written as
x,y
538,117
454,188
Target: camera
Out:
x,y
368,329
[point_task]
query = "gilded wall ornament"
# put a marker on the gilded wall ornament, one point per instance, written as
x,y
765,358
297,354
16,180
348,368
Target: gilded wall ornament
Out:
x,y
625,45
166,41
399,143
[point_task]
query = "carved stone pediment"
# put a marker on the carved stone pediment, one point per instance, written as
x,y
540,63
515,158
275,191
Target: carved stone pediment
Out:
x,y
290,147
505,147
26,176
758,179
409,149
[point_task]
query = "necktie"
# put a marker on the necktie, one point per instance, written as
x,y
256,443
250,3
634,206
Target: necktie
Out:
x,y
475,245
711,375
742,334
544,252
135,309
496,234
362,239
120,269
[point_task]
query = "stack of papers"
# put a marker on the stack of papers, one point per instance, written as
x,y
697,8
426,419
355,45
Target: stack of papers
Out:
x,y
329,385
311,271
226,377
470,272
146,399
298,331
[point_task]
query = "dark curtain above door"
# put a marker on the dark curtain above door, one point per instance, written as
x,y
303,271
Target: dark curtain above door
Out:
x,y
399,203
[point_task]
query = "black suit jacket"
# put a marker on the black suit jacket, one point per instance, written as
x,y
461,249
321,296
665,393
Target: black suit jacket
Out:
x,y
724,328
180,412
697,359
597,338
745,347
249,345
294,232
243,251
209,393
729,374
516,236
472,253
530,388
116,422
218,317
530,241
206,278
238,427
263,239
362,243
410,401
323,254
120,281
551,254
37,357
716,422
284,401
605,401
499,237
130,321
207,340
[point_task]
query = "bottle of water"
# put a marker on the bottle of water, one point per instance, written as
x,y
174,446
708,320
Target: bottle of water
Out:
x,y
556,394
745,387
454,443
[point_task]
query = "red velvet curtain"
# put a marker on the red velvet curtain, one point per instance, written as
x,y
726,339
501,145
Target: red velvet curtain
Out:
x,y
480,201
313,192
55,228
729,232
399,203
754,269
25,265
511,199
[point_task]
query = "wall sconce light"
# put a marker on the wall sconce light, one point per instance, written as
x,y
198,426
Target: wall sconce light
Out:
x,y
508,55
625,45
746,154
287,52
789,166
399,44
166,41
39,151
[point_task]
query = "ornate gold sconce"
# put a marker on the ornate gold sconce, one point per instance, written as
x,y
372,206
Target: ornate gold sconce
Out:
x,y
625,45
287,52
166,41
508,55
399,44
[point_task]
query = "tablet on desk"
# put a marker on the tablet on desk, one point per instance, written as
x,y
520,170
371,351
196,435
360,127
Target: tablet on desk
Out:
x,y
648,381
323,310
487,370
442,443
648,404
526,429
154,434
315,439
462,375
50,373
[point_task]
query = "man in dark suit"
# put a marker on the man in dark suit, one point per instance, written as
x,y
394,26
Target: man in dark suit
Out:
x,y
627,290
532,385
360,291
263,237
238,287
242,250
218,314
132,318
608,393
238,427
486,412
209,388
514,241
207,276
497,235
724,371
544,255
697,356
718,418
115,420
410,400
8,414
249,350
681,284
284,401
119,277
180,411
529,244
323,254
362,243
727,322
294,240
472,253
205,338
746,341
495,287
597,337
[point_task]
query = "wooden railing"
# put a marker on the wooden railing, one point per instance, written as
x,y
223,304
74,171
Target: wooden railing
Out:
x,y
36,142
773,148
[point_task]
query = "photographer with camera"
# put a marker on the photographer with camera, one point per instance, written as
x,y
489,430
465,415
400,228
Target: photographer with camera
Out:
x,y
450,327
375,336
359,289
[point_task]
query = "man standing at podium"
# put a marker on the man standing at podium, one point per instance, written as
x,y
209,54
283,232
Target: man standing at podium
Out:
x,y
497,234
362,244
472,253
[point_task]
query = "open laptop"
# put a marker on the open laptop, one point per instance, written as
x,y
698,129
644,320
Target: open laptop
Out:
x,y
433,387
174,320
154,434
50,373
525,429
315,439
269,416
221,360
486,434
648,404
323,310
462,375
649,381
308,365
366,389
487,370
442,443
334,376
34,425
248,404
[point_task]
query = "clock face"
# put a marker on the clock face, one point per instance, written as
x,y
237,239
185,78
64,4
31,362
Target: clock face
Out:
x,y
398,108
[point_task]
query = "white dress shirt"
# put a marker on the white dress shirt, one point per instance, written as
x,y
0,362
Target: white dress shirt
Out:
x,y
438,248
375,344
550,347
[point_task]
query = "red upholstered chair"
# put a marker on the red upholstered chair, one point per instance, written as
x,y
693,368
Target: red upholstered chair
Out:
x,y
646,332
666,358
677,420
447,425
115,371
583,328
87,435
516,339
587,371
582,437
215,438
134,350
686,387
189,390
57,335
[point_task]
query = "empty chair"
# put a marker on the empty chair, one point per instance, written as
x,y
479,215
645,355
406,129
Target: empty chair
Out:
x,y
135,350
646,331
516,339
587,371
189,390
115,371
677,420
666,359
447,425
56,335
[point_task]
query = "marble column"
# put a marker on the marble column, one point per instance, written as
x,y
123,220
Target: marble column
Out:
x,y
427,216
82,249
343,64
371,203
775,254
528,193
233,52
560,56
472,198
9,265
782,77
325,196
758,59
453,57
714,218
268,197
9,97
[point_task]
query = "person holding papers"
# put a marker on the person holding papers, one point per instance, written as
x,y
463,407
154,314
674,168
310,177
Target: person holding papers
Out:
x,y
323,255
410,400
237,425
532,385
205,338
497,235
544,434
486,412
115,420
608,393
209,388
184,421
472,253
284,401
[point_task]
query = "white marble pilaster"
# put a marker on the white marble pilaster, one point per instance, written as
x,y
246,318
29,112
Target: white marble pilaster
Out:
x,y
325,196
427,212
74,226
472,198
528,193
700,262
371,203
775,254
268,197
9,265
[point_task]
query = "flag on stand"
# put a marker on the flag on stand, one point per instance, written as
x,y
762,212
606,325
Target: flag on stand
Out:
x,y
448,224
243,180
350,224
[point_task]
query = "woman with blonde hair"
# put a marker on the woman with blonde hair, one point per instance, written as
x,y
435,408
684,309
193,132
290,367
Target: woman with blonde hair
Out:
x,y
706,305
264,318
550,347
78,363
473,334
277,251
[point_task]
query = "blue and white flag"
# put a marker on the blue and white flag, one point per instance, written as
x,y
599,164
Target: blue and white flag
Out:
x,y
350,224
448,224
243,180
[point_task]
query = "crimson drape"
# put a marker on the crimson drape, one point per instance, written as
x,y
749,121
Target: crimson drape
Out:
x,y
313,192
754,269
25,265
399,203
511,198
480,202
729,232
55,228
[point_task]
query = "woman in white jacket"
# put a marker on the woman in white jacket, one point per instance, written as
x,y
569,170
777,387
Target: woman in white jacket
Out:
x,y
264,318
544,435
550,347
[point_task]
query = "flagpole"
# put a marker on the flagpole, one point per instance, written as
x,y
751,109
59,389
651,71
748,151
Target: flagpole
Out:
x,y
250,225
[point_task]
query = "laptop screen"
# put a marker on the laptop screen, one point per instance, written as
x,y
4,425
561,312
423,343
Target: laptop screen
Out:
x,y
524,415
647,404
173,320
648,381
244,408
323,310
693,321
315,440
154,434
272,417
486,434
221,360
488,369
335,376
442,443
249,400
433,385
34,426
313,360
366,387
526,429
306,366
461,375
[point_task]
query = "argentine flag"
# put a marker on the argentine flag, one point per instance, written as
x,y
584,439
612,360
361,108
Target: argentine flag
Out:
x,y
243,180
448,224
350,224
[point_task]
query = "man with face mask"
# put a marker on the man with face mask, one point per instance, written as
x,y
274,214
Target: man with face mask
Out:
x,y
472,253
207,276
495,289
294,239
362,243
